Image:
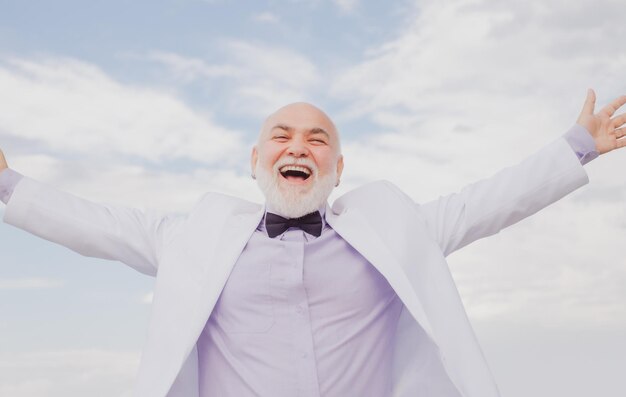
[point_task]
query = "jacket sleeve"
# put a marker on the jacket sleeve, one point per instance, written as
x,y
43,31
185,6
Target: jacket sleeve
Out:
x,y
487,206
128,235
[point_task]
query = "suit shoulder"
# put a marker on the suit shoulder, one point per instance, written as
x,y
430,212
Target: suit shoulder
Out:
x,y
225,202
381,193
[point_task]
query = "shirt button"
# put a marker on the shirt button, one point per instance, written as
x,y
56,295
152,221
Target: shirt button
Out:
x,y
299,309
304,355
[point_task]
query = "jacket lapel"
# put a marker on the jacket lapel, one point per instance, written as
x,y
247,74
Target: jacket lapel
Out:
x,y
352,227
233,237
173,344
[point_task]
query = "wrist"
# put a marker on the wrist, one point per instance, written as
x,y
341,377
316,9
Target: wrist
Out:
x,y
582,143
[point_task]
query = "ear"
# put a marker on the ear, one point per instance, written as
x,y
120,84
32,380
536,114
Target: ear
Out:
x,y
339,168
253,160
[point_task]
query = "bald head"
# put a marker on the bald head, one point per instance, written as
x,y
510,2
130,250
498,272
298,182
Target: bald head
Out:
x,y
301,115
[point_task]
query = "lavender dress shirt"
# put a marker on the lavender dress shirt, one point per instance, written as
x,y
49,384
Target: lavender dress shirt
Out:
x,y
302,316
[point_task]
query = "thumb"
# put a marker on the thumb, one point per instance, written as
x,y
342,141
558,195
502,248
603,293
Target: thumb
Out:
x,y
590,103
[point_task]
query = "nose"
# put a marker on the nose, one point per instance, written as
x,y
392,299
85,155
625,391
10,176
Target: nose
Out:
x,y
298,148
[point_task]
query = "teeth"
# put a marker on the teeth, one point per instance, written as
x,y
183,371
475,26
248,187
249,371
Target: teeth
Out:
x,y
295,168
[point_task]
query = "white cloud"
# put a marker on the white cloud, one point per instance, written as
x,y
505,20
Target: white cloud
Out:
x,y
188,69
473,86
562,268
82,110
70,373
134,185
542,361
346,5
260,77
18,284
494,72
266,17
108,142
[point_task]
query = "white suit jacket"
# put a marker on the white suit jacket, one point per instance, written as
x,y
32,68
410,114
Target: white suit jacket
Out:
x,y
436,352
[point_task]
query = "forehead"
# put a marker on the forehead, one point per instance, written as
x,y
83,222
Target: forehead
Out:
x,y
300,116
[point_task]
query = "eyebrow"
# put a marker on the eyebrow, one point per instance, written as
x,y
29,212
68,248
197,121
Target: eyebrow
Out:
x,y
318,130
315,130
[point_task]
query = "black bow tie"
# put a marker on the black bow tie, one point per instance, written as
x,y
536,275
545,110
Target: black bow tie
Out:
x,y
310,223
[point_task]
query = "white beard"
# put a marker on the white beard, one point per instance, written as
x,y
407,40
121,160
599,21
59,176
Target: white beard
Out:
x,y
294,201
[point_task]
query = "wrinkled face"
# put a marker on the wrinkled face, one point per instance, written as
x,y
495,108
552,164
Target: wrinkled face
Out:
x,y
297,160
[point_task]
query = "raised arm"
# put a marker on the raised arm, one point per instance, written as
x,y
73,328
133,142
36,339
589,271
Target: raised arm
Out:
x,y
487,206
128,235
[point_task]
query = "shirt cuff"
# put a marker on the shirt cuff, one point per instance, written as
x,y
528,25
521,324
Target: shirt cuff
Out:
x,y
8,181
582,143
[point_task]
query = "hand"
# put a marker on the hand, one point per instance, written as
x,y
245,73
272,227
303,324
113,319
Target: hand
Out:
x,y
3,162
606,131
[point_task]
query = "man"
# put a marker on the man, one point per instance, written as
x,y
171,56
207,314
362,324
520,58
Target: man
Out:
x,y
296,298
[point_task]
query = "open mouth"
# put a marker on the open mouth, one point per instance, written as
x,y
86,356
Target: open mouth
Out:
x,y
295,173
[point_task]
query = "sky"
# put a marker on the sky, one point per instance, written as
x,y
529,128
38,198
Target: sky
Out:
x,y
152,104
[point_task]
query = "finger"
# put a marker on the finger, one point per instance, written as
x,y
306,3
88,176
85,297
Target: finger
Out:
x,y
612,107
620,143
620,132
590,102
619,121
